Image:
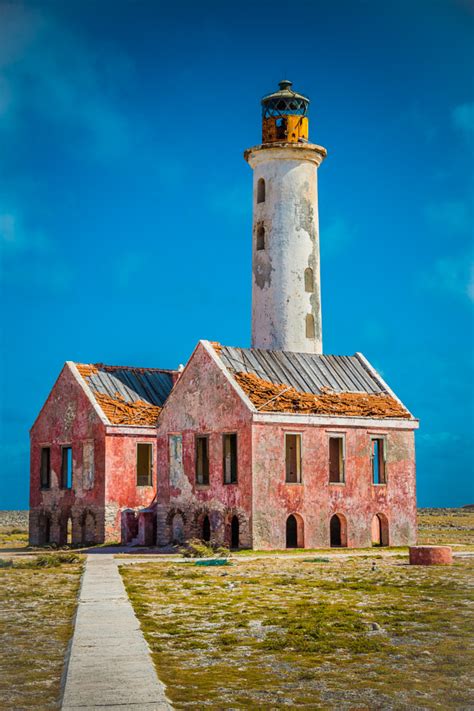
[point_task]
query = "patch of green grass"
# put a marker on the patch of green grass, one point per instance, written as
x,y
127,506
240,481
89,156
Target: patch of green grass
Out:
x,y
273,632
37,604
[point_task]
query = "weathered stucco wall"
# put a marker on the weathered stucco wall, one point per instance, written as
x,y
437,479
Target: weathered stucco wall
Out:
x,y
315,500
68,419
121,490
281,300
203,402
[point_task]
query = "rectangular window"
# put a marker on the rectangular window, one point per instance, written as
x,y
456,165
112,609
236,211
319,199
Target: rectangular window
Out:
x,y
378,460
45,474
293,458
66,468
144,464
336,460
202,460
230,458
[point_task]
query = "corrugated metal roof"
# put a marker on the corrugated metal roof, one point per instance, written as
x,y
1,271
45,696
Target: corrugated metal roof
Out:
x,y
132,384
305,372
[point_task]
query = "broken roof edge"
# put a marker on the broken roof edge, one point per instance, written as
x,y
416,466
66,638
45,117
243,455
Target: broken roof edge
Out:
x,y
375,374
210,348
88,391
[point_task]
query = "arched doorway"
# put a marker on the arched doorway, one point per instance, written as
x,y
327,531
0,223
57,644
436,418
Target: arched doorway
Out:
x,y
177,529
234,532
338,531
380,530
291,532
206,529
88,528
44,529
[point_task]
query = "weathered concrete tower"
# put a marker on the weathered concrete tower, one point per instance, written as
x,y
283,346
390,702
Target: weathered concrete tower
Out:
x,y
286,294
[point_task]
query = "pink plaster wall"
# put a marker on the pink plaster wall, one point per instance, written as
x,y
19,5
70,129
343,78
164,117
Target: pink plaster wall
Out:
x,y
204,402
316,500
67,418
121,490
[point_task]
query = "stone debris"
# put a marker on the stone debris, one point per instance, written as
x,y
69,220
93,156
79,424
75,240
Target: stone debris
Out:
x,y
119,412
270,397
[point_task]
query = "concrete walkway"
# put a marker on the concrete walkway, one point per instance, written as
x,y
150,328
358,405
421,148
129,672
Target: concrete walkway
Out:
x,y
109,665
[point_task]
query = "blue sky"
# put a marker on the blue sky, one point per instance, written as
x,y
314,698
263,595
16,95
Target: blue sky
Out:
x,y
125,202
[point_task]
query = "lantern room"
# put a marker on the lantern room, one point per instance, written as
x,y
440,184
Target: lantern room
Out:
x,y
284,116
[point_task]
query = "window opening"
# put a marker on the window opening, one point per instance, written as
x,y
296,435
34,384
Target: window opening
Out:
x,y
144,464
336,460
378,461
202,460
260,238
45,475
234,532
261,190
310,332
293,458
206,529
66,468
230,458
308,280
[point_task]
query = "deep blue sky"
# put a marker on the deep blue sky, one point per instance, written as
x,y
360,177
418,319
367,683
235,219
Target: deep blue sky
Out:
x,y
125,202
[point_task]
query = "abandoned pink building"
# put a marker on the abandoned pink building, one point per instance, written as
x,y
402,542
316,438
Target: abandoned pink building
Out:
x,y
273,446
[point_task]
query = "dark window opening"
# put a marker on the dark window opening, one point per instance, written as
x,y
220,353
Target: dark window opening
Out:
x,y
260,237
336,460
234,532
335,531
66,468
230,458
378,461
380,530
261,190
206,529
293,458
202,460
308,280
291,532
310,330
45,475
144,464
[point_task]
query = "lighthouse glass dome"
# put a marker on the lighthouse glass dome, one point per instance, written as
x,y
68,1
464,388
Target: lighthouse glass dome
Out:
x,y
284,102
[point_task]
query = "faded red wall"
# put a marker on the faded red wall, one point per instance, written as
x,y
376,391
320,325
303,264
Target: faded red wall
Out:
x,y
316,500
67,418
121,480
204,402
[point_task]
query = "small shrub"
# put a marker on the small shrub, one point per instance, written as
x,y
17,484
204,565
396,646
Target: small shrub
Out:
x,y
6,563
196,548
50,560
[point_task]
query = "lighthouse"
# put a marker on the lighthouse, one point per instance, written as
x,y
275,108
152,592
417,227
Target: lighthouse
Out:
x,y
286,291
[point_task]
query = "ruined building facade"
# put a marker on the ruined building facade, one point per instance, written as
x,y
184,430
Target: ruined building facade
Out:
x,y
274,446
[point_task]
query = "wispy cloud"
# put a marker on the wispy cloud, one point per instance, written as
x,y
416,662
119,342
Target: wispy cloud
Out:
x,y
449,215
47,69
28,259
453,275
463,118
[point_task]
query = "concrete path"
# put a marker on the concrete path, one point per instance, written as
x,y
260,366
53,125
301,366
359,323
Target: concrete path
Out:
x,y
109,664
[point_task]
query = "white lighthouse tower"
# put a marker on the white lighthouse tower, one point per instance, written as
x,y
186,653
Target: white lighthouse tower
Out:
x,y
286,294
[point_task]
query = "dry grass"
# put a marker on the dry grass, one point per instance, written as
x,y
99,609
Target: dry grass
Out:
x,y
337,635
37,605
444,526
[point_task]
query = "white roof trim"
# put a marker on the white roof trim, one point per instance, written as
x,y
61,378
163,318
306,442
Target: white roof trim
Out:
x,y
88,391
295,419
215,357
